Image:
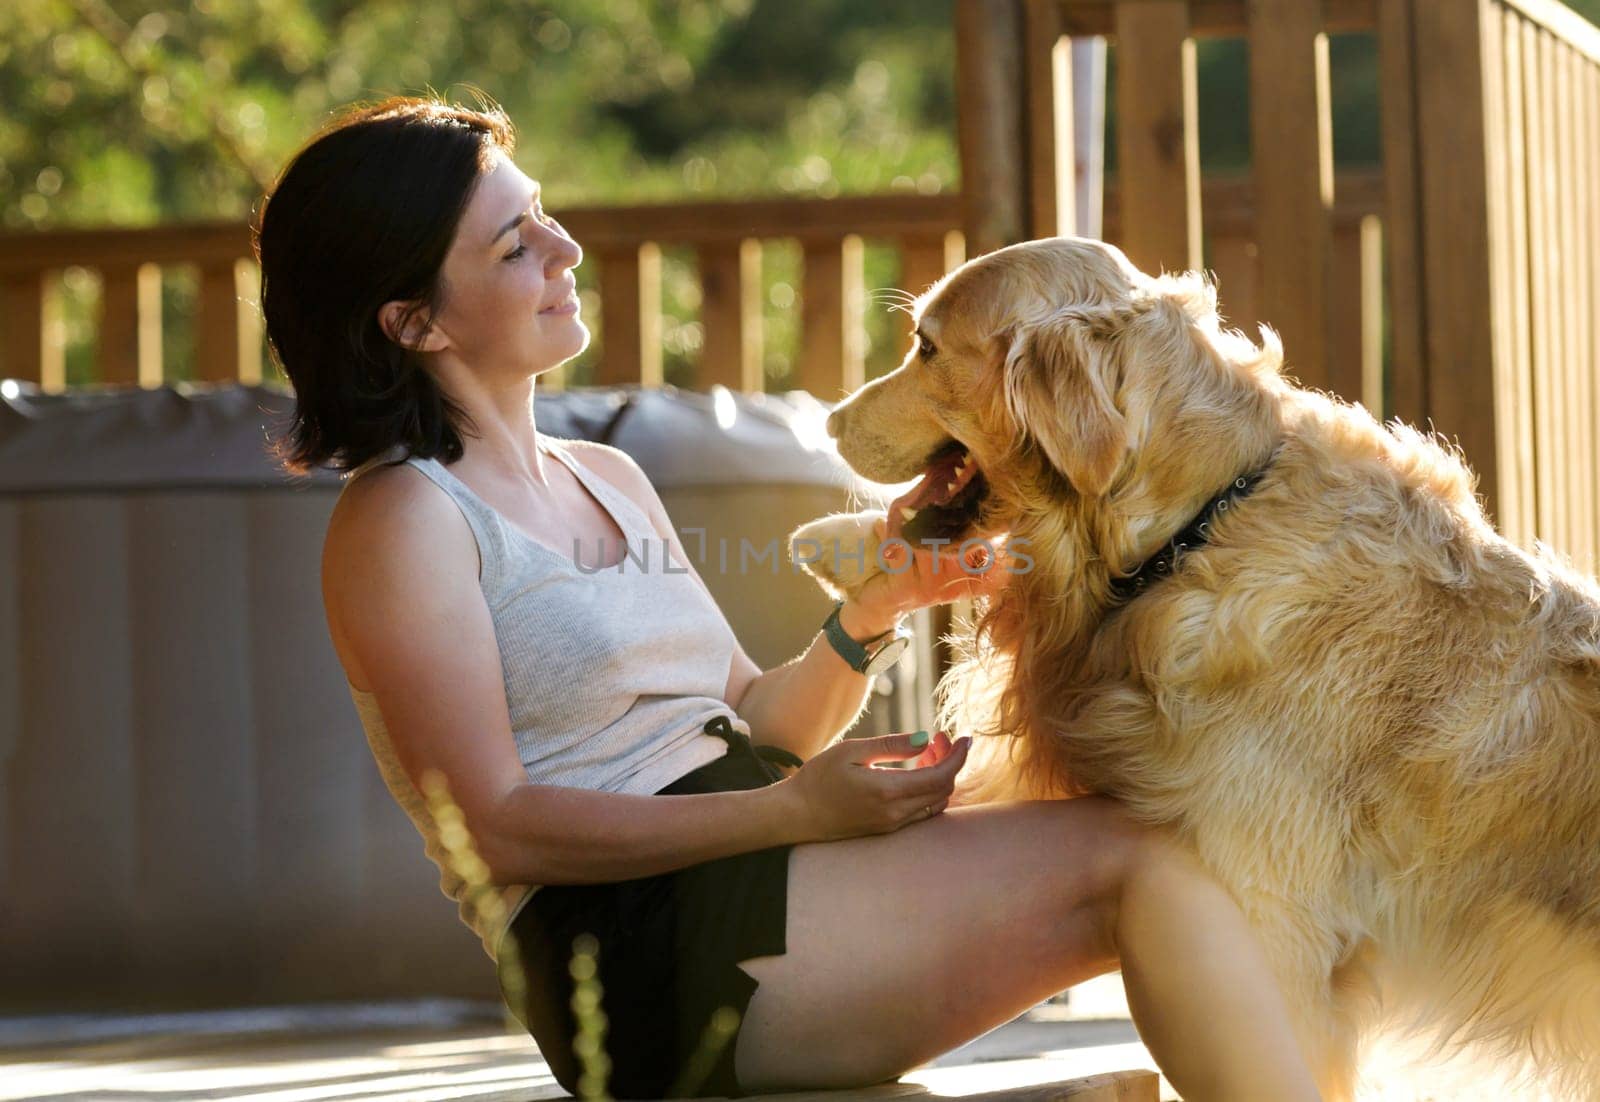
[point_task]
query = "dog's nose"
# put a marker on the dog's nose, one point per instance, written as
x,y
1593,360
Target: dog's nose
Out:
x,y
836,422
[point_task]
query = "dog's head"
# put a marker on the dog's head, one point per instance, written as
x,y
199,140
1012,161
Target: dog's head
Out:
x,y
1056,373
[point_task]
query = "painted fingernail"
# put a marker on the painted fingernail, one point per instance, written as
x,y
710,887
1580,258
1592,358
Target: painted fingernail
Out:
x,y
919,738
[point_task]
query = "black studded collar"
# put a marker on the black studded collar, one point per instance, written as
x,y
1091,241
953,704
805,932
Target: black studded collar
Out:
x,y
1195,534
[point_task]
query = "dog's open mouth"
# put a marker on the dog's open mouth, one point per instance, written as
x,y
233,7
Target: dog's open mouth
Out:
x,y
945,503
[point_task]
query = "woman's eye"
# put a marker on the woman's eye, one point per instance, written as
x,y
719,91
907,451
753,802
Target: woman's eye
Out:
x,y
516,252
925,349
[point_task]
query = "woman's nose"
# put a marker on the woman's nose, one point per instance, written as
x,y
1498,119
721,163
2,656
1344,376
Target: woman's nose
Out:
x,y
565,253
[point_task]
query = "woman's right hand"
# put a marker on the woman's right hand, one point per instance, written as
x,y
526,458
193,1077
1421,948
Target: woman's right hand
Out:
x,y
840,793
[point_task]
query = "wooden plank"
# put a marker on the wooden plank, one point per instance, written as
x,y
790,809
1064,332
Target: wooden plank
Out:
x,y
1563,22
251,322
22,351
1518,329
1459,348
1547,256
1571,302
130,324
1233,259
1216,18
1538,276
217,323
1407,385
1372,316
630,316
1118,1086
1158,140
27,252
1499,189
1291,138
1590,202
1343,374
923,262
1227,203
990,127
597,227
832,360
1052,178
871,216
1088,56
730,314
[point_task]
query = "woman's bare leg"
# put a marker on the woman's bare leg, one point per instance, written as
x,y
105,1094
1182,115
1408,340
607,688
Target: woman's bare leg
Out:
x,y
1199,987
903,946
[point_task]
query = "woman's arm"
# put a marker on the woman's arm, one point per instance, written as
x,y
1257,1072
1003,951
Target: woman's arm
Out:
x,y
811,700
802,705
832,693
411,625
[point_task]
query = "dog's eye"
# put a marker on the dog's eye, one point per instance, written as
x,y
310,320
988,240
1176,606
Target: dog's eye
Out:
x,y
925,348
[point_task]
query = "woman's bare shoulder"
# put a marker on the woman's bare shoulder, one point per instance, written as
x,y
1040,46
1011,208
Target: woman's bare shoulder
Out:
x,y
391,532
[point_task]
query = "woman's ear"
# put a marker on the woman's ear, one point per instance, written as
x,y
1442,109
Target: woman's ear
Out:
x,y
403,323
1061,381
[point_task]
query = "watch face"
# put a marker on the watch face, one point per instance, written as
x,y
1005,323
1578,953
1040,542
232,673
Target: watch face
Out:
x,y
887,655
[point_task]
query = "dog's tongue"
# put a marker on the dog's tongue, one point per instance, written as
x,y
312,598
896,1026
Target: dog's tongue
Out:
x,y
931,489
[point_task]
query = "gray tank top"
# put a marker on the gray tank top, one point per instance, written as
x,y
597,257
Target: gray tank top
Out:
x,y
610,674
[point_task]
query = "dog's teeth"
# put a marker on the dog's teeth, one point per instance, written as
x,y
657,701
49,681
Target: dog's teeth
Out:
x,y
951,488
961,468
907,513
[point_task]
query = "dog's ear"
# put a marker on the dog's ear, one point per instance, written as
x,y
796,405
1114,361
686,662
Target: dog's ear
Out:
x,y
1060,379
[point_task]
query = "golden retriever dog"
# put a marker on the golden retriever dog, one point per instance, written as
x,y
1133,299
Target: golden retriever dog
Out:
x,y
1373,718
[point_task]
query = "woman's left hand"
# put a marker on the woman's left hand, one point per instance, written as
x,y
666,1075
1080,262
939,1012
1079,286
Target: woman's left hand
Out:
x,y
929,578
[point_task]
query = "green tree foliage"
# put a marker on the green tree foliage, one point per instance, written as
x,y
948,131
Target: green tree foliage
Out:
x,y
134,112
140,111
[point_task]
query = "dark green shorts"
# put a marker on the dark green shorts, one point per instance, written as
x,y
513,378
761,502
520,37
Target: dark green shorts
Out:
x,y
669,948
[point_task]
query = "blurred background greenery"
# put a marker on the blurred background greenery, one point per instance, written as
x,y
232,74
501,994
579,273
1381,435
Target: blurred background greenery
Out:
x,y
137,112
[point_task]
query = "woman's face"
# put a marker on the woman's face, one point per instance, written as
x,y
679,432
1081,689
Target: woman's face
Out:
x,y
510,304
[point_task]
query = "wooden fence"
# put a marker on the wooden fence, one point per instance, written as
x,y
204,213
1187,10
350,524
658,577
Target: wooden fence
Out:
x,y
1457,288
1479,291
1540,80
625,244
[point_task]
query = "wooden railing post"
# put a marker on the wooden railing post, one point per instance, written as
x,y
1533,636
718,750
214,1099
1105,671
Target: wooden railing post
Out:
x,y
1052,179
1454,202
730,315
22,337
1158,137
217,323
130,324
925,260
630,308
1291,129
990,123
832,305
1397,62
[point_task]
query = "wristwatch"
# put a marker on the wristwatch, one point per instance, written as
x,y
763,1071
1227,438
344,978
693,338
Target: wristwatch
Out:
x,y
872,657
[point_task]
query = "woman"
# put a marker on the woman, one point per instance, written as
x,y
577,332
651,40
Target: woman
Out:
x,y
592,729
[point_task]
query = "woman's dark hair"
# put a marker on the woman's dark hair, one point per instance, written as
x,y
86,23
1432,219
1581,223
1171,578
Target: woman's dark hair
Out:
x,y
363,215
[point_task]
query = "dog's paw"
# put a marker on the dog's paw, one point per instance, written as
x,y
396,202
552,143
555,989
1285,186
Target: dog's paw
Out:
x,y
840,551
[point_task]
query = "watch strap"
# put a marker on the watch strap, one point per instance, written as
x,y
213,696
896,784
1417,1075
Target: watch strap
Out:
x,y
855,655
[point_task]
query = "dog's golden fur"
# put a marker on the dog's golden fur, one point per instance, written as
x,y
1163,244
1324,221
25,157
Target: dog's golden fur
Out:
x,y
1374,719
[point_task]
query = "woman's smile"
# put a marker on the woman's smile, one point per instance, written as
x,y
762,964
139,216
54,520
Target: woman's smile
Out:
x,y
567,306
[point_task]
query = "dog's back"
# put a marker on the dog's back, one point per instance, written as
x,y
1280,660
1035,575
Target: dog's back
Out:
x,y
1368,704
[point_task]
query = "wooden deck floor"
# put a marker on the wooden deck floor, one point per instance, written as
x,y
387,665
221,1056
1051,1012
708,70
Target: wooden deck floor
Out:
x,y
452,1051
444,1052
